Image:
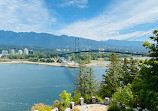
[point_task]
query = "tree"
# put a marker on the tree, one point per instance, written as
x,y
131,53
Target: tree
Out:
x,y
123,95
128,71
110,81
147,88
85,82
65,98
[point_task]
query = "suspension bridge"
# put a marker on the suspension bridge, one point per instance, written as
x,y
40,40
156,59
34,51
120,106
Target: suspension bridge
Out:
x,y
77,50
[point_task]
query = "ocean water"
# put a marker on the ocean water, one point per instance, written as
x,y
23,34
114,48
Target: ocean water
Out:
x,y
23,85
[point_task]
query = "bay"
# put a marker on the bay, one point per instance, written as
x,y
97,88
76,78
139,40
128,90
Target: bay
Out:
x,y
23,85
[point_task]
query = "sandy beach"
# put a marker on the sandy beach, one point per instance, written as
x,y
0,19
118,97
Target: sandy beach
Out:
x,y
94,63
70,64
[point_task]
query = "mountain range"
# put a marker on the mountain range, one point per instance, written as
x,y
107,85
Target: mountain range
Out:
x,y
64,41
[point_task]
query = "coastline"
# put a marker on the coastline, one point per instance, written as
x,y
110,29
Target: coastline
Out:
x,y
71,65
94,63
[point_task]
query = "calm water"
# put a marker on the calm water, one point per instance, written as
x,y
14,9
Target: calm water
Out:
x,y
22,85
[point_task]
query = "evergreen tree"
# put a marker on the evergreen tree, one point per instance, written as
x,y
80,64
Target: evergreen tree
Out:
x,y
147,86
110,81
92,82
85,82
79,81
128,71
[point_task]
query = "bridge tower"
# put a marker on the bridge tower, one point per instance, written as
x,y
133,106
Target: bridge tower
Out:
x,y
77,44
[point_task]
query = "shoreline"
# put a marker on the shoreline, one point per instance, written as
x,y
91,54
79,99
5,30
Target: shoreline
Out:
x,y
70,65
94,63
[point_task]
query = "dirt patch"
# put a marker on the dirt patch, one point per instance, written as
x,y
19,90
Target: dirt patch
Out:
x,y
97,108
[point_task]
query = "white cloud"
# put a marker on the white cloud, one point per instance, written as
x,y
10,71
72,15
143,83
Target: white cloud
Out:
x,y
137,34
117,17
24,15
75,3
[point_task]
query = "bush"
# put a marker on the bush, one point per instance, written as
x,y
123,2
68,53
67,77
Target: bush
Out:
x,y
98,99
123,95
75,109
129,110
65,98
56,104
62,108
88,99
76,97
40,107
114,107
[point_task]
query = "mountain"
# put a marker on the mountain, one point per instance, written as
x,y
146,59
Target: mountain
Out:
x,y
64,41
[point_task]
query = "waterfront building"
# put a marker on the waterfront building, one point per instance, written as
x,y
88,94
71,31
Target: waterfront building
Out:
x,y
12,51
4,52
26,51
30,51
20,52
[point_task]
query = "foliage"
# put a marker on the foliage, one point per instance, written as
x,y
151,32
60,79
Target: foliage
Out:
x,y
123,95
98,99
59,105
56,104
128,71
76,97
114,107
65,98
110,81
40,107
129,110
85,82
88,99
86,58
146,85
75,109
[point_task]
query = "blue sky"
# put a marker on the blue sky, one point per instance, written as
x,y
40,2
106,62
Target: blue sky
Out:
x,y
92,19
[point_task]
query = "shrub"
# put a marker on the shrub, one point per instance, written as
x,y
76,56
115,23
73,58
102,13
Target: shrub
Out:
x,y
88,99
114,107
62,108
98,99
76,97
129,110
123,95
56,104
75,109
40,107
65,99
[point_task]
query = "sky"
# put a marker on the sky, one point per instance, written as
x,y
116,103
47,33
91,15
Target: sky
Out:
x,y
91,19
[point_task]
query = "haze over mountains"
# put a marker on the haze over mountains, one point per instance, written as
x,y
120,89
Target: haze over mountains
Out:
x,y
64,41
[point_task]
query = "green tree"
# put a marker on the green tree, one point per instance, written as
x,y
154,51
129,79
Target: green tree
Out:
x,y
110,80
128,71
65,98
123,95
92,82
146,86
85,81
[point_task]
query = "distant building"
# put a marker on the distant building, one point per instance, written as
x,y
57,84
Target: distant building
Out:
x,y
66,50
20,52
26,51
30,51
101,49
12,51
59,50
4,52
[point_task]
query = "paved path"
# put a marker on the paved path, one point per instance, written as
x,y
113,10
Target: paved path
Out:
x,y
92,107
